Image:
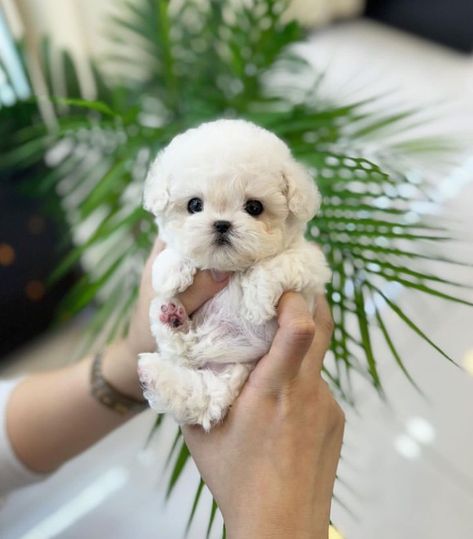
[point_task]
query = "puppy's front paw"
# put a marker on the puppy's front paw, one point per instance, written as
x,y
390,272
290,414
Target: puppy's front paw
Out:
x,y
173,315
171,274
167,315
259,303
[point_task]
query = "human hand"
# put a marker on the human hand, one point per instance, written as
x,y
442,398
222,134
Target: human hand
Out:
x,y
271,464
120,360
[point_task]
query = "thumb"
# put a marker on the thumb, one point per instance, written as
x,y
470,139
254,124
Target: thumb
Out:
x,y
281,364
206,284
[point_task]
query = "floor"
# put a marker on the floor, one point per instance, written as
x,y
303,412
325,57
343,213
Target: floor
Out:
x,y
407,465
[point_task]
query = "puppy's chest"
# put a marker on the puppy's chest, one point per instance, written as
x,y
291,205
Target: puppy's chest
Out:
x,y
222,328
226,305
229,306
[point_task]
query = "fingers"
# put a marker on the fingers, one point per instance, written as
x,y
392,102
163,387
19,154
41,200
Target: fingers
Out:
x,y
281,364
157,248
323,323
204,287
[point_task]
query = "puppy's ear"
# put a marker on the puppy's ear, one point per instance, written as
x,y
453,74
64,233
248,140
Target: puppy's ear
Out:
x,y
303,197
156,192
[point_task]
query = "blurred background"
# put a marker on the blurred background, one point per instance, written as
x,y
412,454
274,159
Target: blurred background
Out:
x,y
407,469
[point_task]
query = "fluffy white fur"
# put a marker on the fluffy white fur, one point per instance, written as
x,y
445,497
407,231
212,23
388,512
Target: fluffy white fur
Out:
x,y
201,365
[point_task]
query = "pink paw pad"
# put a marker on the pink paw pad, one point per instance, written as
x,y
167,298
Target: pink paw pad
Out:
x,y
172,315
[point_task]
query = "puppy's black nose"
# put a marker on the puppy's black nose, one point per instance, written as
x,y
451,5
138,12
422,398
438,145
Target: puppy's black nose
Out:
x,y
222,226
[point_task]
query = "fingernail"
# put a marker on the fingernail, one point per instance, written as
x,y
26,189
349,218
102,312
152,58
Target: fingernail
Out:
x,y
219,276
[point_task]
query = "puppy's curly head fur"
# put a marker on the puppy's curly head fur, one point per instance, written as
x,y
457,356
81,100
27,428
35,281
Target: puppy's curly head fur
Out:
x,y
229,193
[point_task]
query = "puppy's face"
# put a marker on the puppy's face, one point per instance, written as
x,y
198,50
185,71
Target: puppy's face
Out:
x,y
226,221
228,194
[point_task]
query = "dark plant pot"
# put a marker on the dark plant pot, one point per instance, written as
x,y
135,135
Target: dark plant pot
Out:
x,y
30,248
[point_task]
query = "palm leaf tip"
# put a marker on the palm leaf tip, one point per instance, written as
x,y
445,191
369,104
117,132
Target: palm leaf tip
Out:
x,y
181,461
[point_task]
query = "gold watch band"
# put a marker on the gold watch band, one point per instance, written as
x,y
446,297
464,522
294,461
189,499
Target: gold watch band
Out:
x,y
108,395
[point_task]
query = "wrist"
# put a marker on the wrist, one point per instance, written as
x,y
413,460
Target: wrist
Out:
x,y
259,530
275,530
265,521
119,367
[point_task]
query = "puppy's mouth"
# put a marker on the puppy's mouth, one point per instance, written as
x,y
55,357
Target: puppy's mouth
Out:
x,y
222,241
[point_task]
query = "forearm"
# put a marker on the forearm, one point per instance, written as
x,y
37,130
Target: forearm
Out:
x,y
52,417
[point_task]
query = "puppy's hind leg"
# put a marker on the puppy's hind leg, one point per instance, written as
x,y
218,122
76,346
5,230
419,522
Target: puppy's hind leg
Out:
x,y
192,396
222,388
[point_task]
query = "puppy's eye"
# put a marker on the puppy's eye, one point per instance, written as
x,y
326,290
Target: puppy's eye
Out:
x,y
254,207
195,205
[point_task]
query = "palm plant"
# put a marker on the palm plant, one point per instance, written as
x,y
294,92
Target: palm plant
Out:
x,y
181,63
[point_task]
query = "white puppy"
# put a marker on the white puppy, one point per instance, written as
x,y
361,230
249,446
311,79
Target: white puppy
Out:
x,y
227,196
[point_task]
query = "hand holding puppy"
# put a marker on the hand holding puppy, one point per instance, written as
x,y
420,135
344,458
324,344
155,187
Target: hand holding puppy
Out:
x,y
271,465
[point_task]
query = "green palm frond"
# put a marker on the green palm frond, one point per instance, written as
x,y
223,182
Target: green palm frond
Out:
x,y
181,63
